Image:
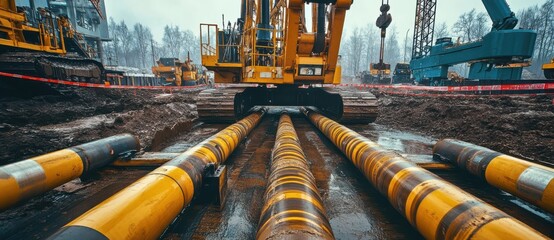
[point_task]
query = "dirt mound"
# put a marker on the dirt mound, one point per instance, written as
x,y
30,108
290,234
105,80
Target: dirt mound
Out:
x,y
40,124
518,126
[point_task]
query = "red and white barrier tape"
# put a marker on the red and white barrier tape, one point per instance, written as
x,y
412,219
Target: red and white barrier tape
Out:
x,y
96,85
499,87
406,88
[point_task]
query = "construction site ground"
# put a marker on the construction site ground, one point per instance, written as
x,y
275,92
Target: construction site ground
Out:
x,y
520,126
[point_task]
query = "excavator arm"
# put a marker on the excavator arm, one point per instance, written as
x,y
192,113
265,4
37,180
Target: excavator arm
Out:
x,y
501,15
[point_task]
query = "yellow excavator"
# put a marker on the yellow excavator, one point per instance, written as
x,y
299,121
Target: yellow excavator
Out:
x,y
284,62
44,45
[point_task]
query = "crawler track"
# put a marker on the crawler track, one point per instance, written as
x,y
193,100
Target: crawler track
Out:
x,y
355,209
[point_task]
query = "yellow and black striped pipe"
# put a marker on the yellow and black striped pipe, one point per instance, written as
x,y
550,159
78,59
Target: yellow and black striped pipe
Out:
x,y
145,208
436,208
529,181
293,208
25,179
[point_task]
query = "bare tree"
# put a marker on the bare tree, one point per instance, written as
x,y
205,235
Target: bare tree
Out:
x,y
190,45
481,25
442,31
540,19
354,46
143,37
126,40
173,40
371,45
471,26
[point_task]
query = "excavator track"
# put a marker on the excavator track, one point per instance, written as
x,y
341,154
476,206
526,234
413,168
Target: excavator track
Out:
x,y
217,105
358,107
229,104
77,69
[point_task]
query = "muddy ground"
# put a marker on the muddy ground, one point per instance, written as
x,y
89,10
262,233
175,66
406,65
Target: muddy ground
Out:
x,y
518,126
39,124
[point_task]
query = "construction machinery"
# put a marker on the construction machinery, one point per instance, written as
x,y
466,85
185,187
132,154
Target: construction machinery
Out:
x,y
43,45
283,60
548,69
500,55
402,73
377,74
175,72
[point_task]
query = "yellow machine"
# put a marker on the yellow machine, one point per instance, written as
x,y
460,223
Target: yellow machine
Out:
x,y
40,47
175,72
272,47
548,69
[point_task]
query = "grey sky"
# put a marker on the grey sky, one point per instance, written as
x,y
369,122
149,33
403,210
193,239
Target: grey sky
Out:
x,y
188,14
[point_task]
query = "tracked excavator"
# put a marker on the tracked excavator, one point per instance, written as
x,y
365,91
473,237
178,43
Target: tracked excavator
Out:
x,y
43,45
283,63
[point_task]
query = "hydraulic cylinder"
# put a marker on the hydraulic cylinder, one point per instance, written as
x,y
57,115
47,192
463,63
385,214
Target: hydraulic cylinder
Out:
x,y
293,208
145,208
28,178
529,181
436,208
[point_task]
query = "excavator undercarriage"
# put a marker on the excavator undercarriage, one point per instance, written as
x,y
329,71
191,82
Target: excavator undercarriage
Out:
x,y
230,104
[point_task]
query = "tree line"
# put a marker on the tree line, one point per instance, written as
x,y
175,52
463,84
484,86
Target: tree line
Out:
x,y
360,47
137,47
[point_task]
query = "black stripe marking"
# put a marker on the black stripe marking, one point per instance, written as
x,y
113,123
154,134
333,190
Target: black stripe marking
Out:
x,y
77,232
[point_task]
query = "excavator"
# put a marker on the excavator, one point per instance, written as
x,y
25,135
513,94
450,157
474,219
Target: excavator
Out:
x,y
44,45
276,59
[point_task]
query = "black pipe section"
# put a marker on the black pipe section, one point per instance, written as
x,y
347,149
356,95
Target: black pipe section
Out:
x,y
319,44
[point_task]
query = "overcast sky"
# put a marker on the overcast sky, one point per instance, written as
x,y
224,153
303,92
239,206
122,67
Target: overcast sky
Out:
x,y
188,14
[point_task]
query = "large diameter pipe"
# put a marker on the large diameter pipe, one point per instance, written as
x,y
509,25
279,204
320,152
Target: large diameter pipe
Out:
x,y
293,208
28,178
436,208
529,181
145,208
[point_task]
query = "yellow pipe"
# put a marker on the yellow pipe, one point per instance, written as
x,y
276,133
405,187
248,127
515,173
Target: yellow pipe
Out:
x,y
28,178
293,208
436,208
529,181
145,208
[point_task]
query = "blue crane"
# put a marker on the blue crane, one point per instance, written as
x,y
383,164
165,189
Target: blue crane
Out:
x,y
500,55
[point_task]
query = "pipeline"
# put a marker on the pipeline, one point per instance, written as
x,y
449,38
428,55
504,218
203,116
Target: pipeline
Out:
x,y
293,207
28,178
144,209
436,208
529,181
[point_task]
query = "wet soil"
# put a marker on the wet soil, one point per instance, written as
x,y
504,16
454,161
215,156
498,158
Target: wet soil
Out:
x,y
40,124
518,126
355,209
